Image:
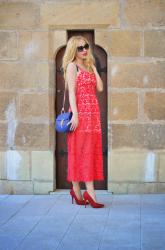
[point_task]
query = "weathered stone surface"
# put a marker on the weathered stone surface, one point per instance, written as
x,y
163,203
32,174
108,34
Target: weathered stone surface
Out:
x,y
102,38
142,188
34,45
24,75
162,168
43,187
3,135
51,108
2,167
154,105
42,165
54,13
129,168
32,136
17,165
52,136
6,98
58,39
133,166
16,187
119,42
161,187
33,106
122,44
139,75
19,15
123,106
147,136
8,45
117,187
4,187
154,43
133,188
148,13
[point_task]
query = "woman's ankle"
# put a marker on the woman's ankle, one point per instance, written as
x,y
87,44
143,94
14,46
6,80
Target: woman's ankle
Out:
x,y
92,194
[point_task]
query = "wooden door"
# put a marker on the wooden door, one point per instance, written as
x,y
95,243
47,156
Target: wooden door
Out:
x,y
61,140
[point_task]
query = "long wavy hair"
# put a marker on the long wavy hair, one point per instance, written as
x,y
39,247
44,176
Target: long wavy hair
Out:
x,y
70,54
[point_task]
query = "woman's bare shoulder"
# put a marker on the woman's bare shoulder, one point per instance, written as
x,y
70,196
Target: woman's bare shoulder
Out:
x,y
71,66
71,70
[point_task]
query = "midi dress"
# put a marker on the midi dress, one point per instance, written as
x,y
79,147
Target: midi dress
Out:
x,y
85,157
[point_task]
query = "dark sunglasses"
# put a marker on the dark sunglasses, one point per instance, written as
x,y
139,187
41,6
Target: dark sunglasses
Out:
x,y
81,48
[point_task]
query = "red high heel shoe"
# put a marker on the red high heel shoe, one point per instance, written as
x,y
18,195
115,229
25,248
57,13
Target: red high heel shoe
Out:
x,y
79,202
94,204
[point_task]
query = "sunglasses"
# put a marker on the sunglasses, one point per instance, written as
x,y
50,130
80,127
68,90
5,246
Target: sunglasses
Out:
x,y
81,48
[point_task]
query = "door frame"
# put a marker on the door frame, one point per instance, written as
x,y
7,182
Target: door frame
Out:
x,y
58,39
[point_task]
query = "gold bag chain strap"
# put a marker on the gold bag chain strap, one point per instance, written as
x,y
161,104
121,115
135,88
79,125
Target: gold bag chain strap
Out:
x,y
63,109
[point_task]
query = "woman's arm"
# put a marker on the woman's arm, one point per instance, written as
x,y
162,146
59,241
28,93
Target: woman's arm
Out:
x,y
71,73
98,80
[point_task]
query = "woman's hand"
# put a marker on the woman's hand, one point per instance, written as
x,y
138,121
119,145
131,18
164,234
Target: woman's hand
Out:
x,y
74,122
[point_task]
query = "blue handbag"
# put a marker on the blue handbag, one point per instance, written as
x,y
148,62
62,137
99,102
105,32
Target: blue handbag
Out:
x,y
63,118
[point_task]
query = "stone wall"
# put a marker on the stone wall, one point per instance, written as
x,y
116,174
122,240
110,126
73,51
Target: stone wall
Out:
x,y
133,35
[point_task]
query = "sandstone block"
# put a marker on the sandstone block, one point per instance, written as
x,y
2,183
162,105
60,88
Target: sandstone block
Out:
x,y
43,187
123,106
149,13
24,75
58,39
162,168
117,187
21,187
42,165
7,98
133,166
122,44
33,106
102,39
154,43
3,135
16,187
161,188
139,75
143,136
154,105
134,188
19,15
70,13
32,136
8,45
3,174
142,188
34,45
51,107
4,187
17,165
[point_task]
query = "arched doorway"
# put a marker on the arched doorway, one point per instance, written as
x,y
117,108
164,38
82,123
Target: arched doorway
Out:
x,y
61,143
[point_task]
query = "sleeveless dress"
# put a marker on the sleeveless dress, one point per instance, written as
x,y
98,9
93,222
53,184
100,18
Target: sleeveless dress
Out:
x,y
85,158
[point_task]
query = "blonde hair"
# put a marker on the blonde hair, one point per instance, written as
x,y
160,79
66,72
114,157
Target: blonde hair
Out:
x,y
70,54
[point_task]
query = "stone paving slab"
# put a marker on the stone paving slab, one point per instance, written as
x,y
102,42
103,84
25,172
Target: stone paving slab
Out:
x,y
48,222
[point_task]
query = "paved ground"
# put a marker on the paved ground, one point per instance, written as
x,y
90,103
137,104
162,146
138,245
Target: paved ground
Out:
x,y
128,222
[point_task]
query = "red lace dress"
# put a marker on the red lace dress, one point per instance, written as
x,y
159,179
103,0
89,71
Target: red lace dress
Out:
x,y
85,159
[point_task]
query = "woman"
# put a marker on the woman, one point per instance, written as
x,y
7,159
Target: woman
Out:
x,y
85,160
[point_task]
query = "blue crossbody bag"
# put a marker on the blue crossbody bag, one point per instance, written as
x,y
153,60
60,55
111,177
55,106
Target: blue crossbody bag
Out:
x,y
63,118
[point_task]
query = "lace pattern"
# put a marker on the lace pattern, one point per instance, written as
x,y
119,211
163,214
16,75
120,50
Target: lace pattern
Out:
x,y
85,159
